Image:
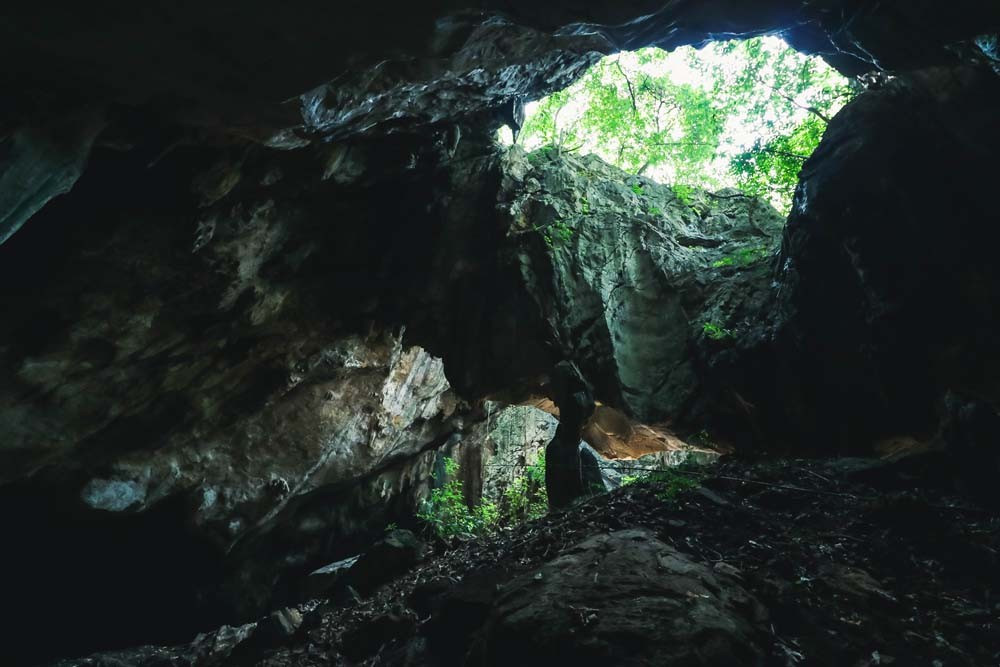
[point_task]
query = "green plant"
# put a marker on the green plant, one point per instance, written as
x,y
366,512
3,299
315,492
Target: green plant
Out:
x,y
447,514
637,188
540,155
389,527
526,499
725,261
585,205
715,332
656,211
667,483
684,194
560,231
748,256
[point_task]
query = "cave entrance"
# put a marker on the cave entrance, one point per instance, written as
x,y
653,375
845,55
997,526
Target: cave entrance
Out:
x,y
742,114
509,448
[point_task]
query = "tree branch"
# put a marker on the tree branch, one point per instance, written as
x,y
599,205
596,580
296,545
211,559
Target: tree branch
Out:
x,y
628,82
813,110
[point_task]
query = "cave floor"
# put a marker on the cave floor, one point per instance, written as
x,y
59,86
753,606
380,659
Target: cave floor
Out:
x,y
852,565
855,569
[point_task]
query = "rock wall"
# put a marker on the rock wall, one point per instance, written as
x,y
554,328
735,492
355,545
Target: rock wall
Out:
x,y
201,351
630,277
887,278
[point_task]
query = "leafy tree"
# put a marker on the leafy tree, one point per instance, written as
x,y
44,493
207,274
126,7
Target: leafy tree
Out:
x,y
741,113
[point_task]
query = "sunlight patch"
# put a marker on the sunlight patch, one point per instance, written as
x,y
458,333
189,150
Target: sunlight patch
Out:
x,y
743,114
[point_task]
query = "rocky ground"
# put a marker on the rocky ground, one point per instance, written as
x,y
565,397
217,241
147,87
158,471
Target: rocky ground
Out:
x,y
837,562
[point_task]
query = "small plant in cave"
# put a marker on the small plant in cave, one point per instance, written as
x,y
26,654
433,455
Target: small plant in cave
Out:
x,y
715,332
744,257
684,194
447,514
526,499
637,189
667,483
554,232
743,114
750,256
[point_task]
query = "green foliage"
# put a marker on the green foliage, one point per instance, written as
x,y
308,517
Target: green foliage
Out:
x,y
684,194
715,332
637,188
526,499
554,232
667,483
740,113
749,256
744,257
656,211
447,514
557,231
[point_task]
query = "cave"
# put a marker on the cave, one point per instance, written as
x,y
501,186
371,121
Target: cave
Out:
x,y
320,347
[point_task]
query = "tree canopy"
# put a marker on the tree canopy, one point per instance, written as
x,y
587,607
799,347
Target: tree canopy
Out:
x,y
740,114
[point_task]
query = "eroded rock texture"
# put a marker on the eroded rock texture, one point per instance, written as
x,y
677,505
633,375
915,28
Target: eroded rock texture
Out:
x,y
629,277
203,362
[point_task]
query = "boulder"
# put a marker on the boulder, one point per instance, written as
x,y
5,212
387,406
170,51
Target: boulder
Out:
x,y
627,599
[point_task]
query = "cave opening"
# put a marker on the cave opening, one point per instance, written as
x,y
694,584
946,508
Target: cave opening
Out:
x,y
743,114
253,332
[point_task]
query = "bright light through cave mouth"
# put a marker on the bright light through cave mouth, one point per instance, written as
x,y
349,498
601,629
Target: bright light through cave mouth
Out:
x,y
739,114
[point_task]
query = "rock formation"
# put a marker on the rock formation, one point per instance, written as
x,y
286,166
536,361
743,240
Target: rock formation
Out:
x,y
259,261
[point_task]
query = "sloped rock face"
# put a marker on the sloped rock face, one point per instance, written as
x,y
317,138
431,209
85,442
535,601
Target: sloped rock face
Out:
x,y
166,383
888,275
630,277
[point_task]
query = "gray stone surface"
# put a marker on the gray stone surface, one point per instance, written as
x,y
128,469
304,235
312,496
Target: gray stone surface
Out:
x,y
627,599
627,290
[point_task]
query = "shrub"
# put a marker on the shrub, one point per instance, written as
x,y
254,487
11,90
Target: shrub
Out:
x,y
447,514
526,499
667,483
684,194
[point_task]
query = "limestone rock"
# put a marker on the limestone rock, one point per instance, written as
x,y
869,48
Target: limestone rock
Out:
x,y
619,283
